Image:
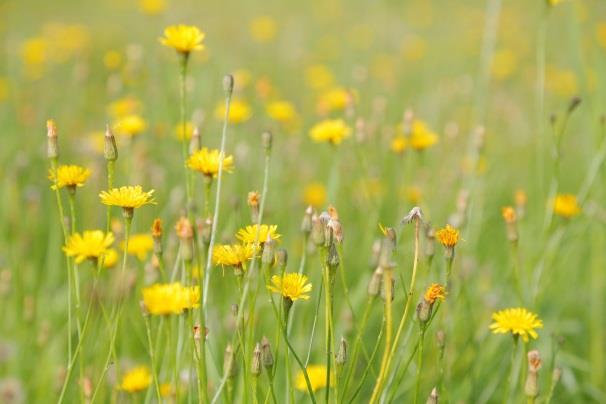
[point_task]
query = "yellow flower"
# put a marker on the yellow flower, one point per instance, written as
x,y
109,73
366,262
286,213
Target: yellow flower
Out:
x,y
281,111
4,89
130,125
137,379
398,144
333,131
112,60
152,7
110,259
317,378
236,255
421,137
263,29
249,233
166,390
562,82
68,176
509,214
139,245
448,236
314,194
504,64
170,298
292,286
207,162
554,3
124,106
91,244
184,131
434,292
239,111
183,38
566,206
600,33
336,99
413,194
34,53
319,77
127,197
517,321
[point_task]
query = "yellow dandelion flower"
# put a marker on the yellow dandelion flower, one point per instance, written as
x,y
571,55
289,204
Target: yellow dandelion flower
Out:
x,y
566,206
333,131
292,286
4,89
314,194
110,259
509,214
517,321
317,378
70,176
166,390
448,236
554,3
136,379
112,60
413,194
421,137
248,234
504,63
139,245
130,125
242,78
207,162
124,106
170,298
600,33
129,197
336,99
152,7
235,255
184,132
319,77
263,29
281,111
183,38
398,144
239,111
91,244
434,292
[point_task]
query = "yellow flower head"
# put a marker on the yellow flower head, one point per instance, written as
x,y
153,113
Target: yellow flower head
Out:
x,y
183,38
91,244
207,162
152,7
319,77
170,298
292,286
235,255
398,144
509,214
421,137
314,195
137,379
124,106
517,321
317,378
110,259
263,29
566,206
333,131
184,132
239,111
434,292
68,176
139,245
336,99
448,236
249,233
130,125
127,197
281,111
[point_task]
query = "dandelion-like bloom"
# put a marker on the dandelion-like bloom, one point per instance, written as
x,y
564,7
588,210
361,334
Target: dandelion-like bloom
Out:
x,y
336,99
129,197
207,162
281,111
235,255
291,286
333,131
70,176
239,111
263,29
91,244
398,144
448,236
136,379
317,378
314,194
421,137
110,258
249,233
130,125
183,38
566,206
184,131
509,214
170,298
517,321
139,245
434,292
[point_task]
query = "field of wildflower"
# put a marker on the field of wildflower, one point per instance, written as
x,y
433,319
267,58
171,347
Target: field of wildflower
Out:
x,y
323,201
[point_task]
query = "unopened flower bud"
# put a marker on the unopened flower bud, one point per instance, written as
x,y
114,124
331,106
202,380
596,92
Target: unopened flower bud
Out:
x,y
268,256
228,84
441,339
337,229
206,230
156,232
185,232
255,366
375,253
430,245
433,397
281,258
229,362
195,143
306,223
267,141
510,218
318,235
333,259
253,200
266,355
52,145
423,311
531,388
374,285
110,150
388,244
341,357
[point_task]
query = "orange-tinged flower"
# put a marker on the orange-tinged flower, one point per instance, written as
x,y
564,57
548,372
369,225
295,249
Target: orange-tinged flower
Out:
x,y
434,292
448,236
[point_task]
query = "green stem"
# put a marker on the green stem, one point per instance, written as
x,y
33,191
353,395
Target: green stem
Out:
x,y
152,357
510,378
111,168
358,341
419,363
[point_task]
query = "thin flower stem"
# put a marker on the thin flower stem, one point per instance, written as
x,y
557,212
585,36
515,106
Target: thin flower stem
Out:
x,y
512,368
111,169
357,344
419,363
182,114
270,381
152,357
369,364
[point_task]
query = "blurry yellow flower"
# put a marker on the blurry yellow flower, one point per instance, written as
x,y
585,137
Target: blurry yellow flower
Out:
x,y
139,245
34,53
566,205
183,38
434,292
91,244
3,89
242,79
263,29
264,88
110,259
291,286
235,255
127,197
249,233
509,214
207,162
314,195
562,82
413,48
166,390
130,125
70,176
281,111
448,236
336,99
504,64
66,40
413,194
135,380
319,77
170,298
239,111
317,378
421,137
333,131
517,321
112,60
184,131
124,106
152,7
554,3
600,33
398,144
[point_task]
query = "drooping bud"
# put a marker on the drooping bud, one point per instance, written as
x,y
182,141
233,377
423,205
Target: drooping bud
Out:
x,y
255,366
110,150
266,355
52,144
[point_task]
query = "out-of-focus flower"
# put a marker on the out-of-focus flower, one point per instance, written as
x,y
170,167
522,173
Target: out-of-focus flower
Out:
x,y
332,131
336,99
4,89
139,245
170,298
562,82
112,59
239,111
124,107
319,77
281,111
421,137
152,7
263,29
504,64
566,205
314,194
184,131
207,162
137,379
130,125
398,144
317,377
